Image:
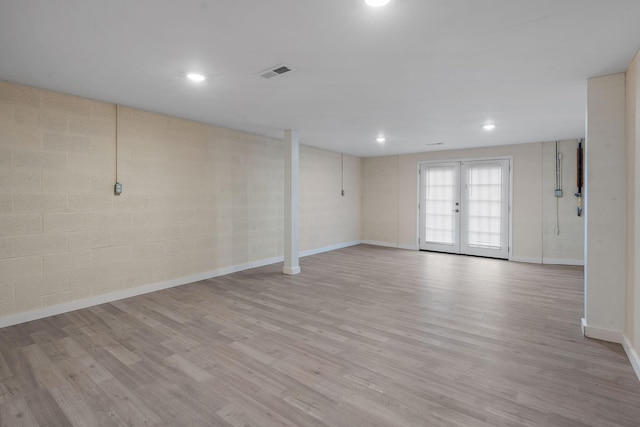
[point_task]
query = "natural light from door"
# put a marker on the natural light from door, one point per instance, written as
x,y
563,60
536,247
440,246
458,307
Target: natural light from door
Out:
x,y
485,205
440,200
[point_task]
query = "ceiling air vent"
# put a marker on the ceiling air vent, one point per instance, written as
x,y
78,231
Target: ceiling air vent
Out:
x,y
275,71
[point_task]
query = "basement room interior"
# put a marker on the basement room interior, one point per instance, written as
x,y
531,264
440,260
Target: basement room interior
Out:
x,y
338,213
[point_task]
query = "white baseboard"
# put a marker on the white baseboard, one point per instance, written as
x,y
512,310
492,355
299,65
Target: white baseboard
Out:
x,y
329,248
530,260
562,261
601,334
126,293
377,243
53,310
291,271
616,337
390,245
632,355
409,247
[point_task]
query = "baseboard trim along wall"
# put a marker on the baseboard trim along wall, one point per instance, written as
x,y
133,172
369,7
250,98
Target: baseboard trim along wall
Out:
x,y
632,355
391,245
601,334
377,243
329,248
53,310
409,247
615,337
529,260
561,261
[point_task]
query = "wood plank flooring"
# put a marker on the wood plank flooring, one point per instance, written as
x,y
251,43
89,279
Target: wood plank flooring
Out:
x,y
365,336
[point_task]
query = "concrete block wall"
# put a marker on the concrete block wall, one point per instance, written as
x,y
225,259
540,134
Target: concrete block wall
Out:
x,y
197,198
326,217
380,207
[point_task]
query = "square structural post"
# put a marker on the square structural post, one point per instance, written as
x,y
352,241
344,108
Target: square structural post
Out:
x,y
291,211
605,209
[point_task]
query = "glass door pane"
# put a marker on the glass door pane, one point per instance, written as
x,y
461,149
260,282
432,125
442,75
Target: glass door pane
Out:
x,y
485,202
440,207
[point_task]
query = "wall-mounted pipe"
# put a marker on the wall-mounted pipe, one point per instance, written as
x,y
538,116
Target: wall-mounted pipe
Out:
x,y
558,190
580,176
117,188
342,174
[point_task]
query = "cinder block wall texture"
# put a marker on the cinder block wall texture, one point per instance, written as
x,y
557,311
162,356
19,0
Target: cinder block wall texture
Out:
x,y
197,198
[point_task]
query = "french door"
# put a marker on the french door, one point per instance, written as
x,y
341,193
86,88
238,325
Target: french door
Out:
x,y
464,207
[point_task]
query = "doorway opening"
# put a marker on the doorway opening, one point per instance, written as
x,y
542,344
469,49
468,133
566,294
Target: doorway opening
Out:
x,y
464,207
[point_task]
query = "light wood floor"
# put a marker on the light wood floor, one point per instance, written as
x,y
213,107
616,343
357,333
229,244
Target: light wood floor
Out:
x,y
365,336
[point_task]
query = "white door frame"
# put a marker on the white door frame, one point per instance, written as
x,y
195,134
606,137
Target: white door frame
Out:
x,y
466,159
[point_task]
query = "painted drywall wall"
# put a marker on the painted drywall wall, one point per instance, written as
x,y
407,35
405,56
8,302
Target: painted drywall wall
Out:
x,y
632,323
196,198
562,228
390,196
605,206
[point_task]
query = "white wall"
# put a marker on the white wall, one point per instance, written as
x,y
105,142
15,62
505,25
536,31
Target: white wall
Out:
x,y
605,207
390,200
567,245
326,217
197,199
380,193
527,193
632,324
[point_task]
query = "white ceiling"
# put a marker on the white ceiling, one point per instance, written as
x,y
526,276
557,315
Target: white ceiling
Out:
x,y
419,71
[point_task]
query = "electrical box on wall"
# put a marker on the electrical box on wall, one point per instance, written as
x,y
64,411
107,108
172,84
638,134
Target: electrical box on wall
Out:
x,y
117,189
558,193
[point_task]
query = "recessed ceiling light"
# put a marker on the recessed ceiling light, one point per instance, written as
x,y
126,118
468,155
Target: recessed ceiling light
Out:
x,y
489,127
381,140
195,77
376,3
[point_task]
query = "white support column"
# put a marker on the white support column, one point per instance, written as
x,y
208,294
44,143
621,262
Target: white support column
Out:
x,y
291,214
605,209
